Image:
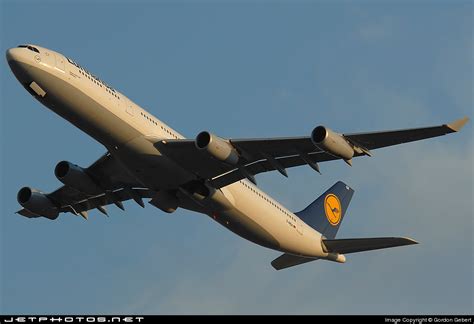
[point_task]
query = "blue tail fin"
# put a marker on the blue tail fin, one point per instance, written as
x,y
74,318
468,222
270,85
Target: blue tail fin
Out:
x,y
325,214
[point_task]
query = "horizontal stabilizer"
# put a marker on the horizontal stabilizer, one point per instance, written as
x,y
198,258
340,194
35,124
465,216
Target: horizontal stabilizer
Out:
x,y
345,246
288,260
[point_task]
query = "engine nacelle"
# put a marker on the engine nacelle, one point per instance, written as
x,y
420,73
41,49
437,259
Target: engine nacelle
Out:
x,y
332,142
75,177
217,147
165,201
37,202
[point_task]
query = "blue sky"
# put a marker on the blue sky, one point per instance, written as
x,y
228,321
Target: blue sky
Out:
x,y
249,69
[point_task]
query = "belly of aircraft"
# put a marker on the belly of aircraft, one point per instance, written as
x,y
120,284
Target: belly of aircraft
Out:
x,y
154,170
245,227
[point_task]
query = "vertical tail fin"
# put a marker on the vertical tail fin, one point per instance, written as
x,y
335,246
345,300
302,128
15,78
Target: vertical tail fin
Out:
x,y
325,214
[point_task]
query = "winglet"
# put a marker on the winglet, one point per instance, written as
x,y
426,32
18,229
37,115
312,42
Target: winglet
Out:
x,y
410,241
458,124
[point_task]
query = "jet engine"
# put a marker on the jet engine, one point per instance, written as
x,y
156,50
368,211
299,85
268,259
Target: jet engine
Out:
x,y
332,143
37,202
76,177
166,201
217,147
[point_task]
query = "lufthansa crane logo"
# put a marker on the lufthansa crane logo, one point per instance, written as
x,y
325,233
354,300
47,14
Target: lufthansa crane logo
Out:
x,y
332,208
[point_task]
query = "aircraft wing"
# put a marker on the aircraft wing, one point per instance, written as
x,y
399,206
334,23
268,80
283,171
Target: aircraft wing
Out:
x,y
107,173
377,140
268,154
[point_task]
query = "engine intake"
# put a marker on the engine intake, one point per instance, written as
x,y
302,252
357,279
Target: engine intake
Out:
x,y
332,142
37,202
217,147
76,177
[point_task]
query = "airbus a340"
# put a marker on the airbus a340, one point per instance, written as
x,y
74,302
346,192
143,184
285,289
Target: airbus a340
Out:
x,y
209,174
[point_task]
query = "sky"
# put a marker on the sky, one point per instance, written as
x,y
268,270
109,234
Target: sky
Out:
x,y
249,69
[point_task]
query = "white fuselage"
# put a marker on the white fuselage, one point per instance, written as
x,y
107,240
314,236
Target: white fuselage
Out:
x,y
128,132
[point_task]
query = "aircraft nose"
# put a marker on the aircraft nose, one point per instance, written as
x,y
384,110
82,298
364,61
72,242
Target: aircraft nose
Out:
x,y
13,54
19,61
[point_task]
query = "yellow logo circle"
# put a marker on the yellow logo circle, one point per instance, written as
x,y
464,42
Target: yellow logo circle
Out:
x,y
332,208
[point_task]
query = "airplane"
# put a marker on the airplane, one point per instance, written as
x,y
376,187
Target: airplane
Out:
x,y
215,176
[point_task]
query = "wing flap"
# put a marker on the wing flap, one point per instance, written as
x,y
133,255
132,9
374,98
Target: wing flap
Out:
x,y
346,246
265,166
107,199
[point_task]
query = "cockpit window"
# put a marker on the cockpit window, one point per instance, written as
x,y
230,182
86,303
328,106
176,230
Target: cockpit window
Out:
x,y
31,48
